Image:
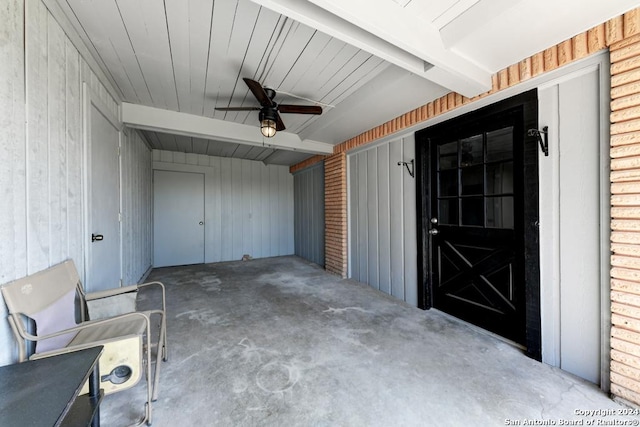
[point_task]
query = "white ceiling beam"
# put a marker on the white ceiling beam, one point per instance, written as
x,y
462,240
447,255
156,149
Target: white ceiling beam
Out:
x,y
392,33
160,120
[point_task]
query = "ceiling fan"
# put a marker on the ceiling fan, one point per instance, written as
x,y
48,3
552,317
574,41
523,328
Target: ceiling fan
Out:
x,y
269,115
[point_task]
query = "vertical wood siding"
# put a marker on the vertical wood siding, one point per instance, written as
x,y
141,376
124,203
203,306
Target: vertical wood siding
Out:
x,y
137,207
248,205
382,217
308,187
38,225
574,223
41,180
12,148
622,36
13,217
53,145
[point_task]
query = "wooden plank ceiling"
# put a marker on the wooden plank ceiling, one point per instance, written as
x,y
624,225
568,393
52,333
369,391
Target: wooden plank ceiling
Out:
x,y
191,56
364,61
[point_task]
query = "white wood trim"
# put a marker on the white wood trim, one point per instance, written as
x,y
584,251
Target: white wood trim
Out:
x,y
401,40
159,120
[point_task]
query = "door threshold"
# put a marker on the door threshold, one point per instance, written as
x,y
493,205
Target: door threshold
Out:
x,y
481,330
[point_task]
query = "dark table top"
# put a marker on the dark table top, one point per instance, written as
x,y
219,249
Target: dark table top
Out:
x,y
40,392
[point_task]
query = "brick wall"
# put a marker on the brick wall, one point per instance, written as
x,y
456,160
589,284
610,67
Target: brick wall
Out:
x,y
307,163
625,213
335,208
622,36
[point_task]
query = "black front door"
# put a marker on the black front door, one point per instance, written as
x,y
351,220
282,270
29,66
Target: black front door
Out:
x,y
472,194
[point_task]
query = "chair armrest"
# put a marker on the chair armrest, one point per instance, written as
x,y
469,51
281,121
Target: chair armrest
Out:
x,y
111,292
161,285
83,325
151,284
125,289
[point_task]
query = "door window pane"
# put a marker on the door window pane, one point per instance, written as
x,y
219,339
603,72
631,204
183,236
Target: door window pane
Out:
x,y
448,211
448,155
448,182
500,144
472,211
500,212
473,180
500,178
471,151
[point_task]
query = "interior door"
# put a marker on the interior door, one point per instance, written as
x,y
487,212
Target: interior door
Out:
x,y
178,225
103,141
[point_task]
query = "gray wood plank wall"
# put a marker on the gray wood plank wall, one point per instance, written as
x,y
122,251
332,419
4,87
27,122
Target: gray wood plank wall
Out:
x,y
42,175
308,186
382,219
574,253
137,207
248,205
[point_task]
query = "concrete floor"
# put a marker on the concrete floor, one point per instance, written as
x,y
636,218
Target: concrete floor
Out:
x,y
279,342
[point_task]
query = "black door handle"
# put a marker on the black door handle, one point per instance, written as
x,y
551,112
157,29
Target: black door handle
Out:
x,y
96,237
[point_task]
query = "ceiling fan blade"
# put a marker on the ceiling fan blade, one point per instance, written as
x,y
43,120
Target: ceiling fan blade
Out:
x,y
300,109
279,123
238,108
259,92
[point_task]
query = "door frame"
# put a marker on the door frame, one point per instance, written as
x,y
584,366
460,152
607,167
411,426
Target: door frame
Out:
x,y
528,242
92,99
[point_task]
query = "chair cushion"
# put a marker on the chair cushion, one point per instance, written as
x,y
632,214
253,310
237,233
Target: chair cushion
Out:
x,y
56,317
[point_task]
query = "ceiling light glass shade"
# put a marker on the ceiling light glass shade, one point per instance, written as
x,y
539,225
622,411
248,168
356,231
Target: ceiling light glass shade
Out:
x,y
268,127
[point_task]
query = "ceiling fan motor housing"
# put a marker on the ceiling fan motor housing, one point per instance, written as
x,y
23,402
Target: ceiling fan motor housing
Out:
x,y
270,93
268,113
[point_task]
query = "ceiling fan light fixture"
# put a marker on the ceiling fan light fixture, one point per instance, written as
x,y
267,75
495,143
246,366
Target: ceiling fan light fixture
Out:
x,y
268,127
268,122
